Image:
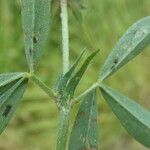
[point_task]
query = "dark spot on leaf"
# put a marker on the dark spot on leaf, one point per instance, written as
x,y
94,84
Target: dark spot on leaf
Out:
x,y
7,110
34,39
81,114
115,61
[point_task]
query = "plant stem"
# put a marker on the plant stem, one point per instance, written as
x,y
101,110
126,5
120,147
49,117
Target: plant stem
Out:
x,y
43,86
64,112
63,129
78,99
65,35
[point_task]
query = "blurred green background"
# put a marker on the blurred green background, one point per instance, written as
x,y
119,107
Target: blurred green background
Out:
x,y
34,125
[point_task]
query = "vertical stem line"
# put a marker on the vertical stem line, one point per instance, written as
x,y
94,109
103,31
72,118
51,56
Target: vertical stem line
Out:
x,y
65,35
63,130
64,112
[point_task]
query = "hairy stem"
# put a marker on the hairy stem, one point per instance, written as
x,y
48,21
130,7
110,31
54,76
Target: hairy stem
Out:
x,y
64,113
43,86
63,130
65,35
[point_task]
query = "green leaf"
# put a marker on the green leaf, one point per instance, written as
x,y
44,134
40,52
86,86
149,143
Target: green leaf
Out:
x,y
7,90
74,81
72,69
6,78
133,117
35,18
62,82
9,101
84,134
131,44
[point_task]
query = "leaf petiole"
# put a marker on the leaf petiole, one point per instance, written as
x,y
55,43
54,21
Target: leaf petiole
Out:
x,y
78,99
43,86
